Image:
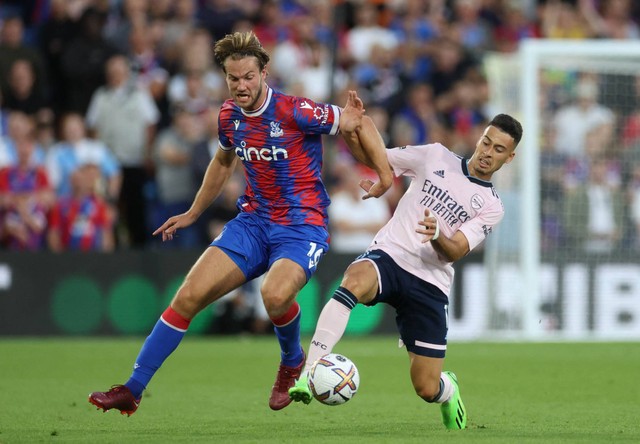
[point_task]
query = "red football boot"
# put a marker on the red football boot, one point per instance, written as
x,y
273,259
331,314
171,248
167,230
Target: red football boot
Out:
x,y
118,397
285,379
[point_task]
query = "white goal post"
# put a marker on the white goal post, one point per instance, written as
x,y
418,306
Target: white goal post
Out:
x,y
519,280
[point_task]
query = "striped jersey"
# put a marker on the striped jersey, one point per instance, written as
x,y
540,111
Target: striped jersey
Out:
x,y
280,146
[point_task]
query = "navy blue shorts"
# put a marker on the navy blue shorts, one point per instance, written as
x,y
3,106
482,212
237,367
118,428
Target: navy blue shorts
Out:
x,y
421,307
255,243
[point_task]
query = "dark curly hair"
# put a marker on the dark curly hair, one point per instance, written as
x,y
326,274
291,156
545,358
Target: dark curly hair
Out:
x,y
509,125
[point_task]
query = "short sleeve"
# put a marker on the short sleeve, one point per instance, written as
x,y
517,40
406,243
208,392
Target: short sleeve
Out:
x,y
478,228
315,118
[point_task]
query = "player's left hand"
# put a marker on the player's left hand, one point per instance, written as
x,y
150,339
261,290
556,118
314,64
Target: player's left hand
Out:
x,y
429,226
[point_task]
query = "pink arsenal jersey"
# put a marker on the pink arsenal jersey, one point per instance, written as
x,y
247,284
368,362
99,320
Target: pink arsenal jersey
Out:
x,y
440,181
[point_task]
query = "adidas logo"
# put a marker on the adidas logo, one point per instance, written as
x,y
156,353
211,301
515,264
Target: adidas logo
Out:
x,y
439,173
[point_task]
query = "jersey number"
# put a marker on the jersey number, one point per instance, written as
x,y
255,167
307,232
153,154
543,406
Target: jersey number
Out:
x,y
314,255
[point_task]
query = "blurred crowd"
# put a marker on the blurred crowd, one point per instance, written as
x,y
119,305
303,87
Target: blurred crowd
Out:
x,y
109,110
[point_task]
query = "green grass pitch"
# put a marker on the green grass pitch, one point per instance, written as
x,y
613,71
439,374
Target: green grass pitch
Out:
x,y
215,390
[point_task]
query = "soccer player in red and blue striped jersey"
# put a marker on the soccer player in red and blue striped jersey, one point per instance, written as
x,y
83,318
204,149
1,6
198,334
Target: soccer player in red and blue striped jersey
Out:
x,y
281,230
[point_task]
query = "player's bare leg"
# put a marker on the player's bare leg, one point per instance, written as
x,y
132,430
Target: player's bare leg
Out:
x,y
279,289
433,385
211,277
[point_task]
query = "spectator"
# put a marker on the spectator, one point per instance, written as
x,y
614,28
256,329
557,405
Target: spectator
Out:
x,y
292,53
317,80
176,32
270,24
124,117
367,34
82,62
413,123
20,130
451,64
611,20
563,20
22,94
469,28
195,92
224,209
174,178
553,182
12,48
159,9
354,222
25,198
76,149
465,118
572,122
145,64
54,35
416,33
82,221
378,80
594,217
45,133
513,28
123,19
220,16
198,81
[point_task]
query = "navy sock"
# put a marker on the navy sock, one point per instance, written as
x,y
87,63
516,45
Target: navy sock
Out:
x,y
163,340
345,297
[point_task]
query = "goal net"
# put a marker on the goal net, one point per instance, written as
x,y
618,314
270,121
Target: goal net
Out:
x,y
565,261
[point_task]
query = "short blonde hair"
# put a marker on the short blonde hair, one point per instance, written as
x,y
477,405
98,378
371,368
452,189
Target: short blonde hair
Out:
x,y
238,46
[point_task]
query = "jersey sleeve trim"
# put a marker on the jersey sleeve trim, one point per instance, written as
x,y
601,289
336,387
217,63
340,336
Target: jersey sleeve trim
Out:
x,y
224,148
337,111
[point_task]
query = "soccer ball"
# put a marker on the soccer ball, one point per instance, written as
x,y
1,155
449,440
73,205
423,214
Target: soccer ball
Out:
x,y
334,379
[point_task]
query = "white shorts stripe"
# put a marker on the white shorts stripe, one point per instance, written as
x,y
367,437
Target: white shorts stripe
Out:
x,y
377,271
429,345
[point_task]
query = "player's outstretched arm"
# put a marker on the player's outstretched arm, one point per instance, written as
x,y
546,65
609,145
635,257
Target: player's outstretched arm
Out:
x,y
366,144
218,172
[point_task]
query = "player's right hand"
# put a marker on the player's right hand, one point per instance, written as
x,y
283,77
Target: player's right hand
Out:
x,y
374,189
351,115
169,228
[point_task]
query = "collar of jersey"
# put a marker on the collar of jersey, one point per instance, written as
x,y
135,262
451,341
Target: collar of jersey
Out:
x,y
264,106
465,171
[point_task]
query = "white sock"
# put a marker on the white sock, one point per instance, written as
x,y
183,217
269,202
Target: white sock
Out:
x,y
447,389
332,323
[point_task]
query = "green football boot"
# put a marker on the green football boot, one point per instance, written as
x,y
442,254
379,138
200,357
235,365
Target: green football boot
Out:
x,y
301,391
454,415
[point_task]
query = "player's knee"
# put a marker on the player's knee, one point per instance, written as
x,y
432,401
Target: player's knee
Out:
x,y
187,302
276,303
359,284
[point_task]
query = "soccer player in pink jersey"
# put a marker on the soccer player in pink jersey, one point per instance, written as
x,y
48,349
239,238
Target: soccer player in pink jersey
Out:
x,y
281,229
449,208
